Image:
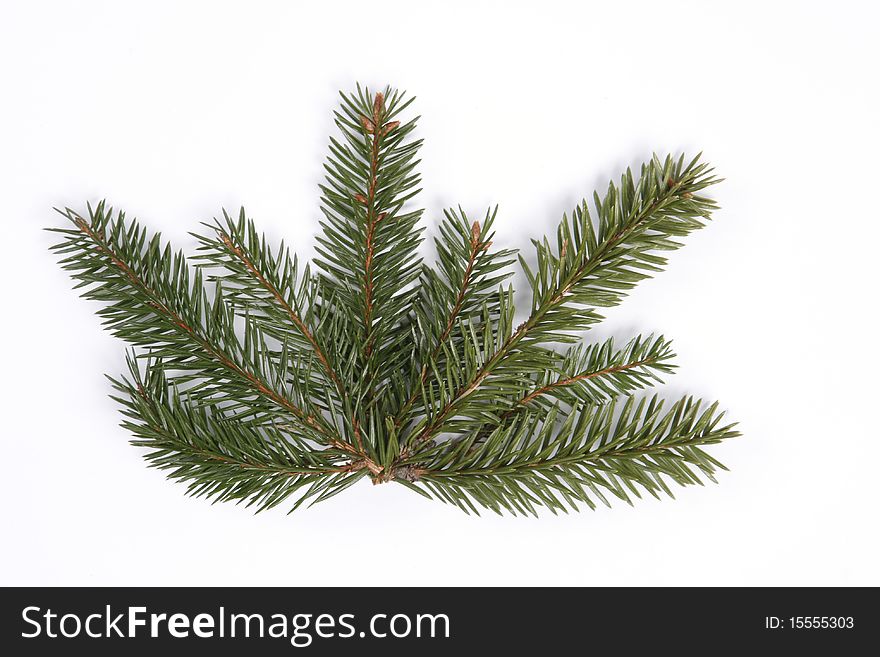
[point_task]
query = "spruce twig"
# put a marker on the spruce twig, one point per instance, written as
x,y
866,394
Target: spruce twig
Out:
x,y
291,384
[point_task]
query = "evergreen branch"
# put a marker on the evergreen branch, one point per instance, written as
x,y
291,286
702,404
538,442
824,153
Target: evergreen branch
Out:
x,y
283,385
153,305
221,458
468,270
268,284
592,375
368,248
266,288
595,265
598,373
610,449
475,246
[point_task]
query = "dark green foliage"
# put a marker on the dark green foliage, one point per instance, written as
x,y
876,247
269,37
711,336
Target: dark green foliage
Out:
x,y
255,379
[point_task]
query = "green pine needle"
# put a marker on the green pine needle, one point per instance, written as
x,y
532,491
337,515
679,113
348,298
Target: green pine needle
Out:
x,y
256,379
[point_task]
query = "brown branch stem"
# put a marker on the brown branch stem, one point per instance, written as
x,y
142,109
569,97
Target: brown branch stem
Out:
x,y
374,128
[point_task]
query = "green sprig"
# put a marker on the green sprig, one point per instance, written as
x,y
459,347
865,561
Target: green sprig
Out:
x,y
258,380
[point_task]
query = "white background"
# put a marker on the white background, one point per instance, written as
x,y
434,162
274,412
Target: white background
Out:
x,y
173,110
